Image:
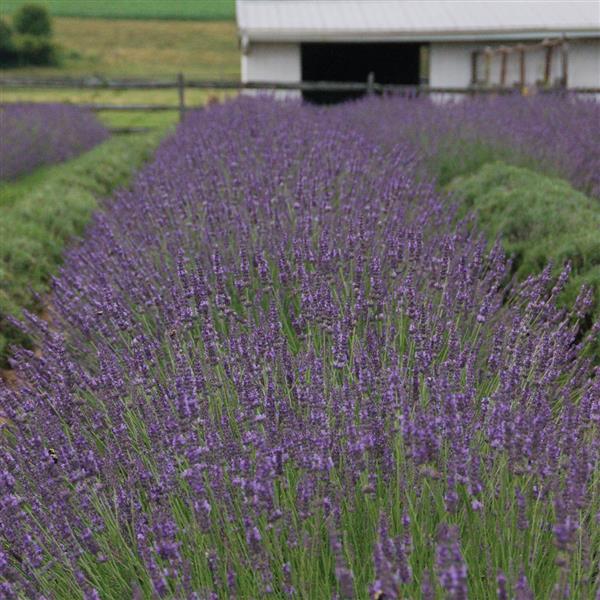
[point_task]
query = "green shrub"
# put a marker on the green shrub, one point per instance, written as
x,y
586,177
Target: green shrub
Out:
x,y
34,50
8,54
33,19
539,219
33,44
456,157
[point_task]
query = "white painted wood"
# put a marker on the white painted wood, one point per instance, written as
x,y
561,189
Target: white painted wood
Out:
x,y
450,65
271,32
584,64
273,62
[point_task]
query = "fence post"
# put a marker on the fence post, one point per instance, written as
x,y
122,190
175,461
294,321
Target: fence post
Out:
x,y
181,90
564,54
371,83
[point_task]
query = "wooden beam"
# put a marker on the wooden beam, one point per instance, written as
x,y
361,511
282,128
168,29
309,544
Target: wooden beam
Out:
x,y
371,83
129,107
488,65
336,86
565,64
522,80
548,65
474,56
503,68
181,95
119,130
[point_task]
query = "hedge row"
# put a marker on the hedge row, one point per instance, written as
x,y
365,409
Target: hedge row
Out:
x,y
540,219
39,218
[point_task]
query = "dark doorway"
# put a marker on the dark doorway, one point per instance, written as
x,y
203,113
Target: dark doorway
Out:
x,y
390,62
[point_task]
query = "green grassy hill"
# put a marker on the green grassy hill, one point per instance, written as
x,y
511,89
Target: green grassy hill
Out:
x,y
138,49
142,48
203,10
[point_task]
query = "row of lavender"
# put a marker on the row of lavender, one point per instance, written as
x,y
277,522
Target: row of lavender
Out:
x,y
39,134
556,132
278,368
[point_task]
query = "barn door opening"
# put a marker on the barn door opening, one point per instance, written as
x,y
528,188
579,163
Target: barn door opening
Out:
x,y
390,62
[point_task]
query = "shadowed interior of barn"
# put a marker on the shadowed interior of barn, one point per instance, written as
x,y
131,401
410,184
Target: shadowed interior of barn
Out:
x,y
392,63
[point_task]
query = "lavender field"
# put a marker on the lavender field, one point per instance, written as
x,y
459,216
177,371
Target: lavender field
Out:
x,y
40,134
554,133
281,366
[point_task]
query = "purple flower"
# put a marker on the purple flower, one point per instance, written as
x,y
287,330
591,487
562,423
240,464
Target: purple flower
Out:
x,y
278,345
38,134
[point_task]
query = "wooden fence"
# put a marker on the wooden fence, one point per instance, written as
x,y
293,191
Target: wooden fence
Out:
x,y
180,84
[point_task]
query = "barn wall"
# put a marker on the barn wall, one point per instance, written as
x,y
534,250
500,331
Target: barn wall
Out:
x,y
450,65
535,67
584,63
273,62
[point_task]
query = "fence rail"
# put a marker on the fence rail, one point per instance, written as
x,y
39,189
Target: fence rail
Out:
x,y
220,84
181,84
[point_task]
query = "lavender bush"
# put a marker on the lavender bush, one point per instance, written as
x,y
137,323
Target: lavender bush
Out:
x,y
557,133
38,134
277,368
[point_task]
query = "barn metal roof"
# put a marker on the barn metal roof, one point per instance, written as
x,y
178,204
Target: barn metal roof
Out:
x,y
386,20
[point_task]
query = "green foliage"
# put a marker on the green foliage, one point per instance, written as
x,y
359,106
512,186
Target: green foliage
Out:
x,y
32,44
33,19
539,219
35,50
455,158
204,10
6,40
8,52
42,212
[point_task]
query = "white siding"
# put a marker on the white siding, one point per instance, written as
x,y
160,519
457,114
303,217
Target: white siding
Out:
x,y
450,65
535,66
584,64
273,62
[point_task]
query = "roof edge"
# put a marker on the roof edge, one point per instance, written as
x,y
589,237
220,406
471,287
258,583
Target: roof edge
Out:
x,y
269,35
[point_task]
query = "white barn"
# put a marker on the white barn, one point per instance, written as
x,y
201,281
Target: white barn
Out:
x,y
442,43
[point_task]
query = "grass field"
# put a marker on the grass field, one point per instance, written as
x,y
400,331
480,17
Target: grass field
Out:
x,y
157,49
205,10
144,49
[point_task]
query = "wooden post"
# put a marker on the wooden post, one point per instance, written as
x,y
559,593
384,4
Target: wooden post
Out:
x,y
474,67
548,65
522,67
181,91
565,63
503,67
488,66
371,83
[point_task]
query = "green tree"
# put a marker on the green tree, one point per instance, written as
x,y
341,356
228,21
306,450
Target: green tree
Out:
x,y
33,19
8,53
